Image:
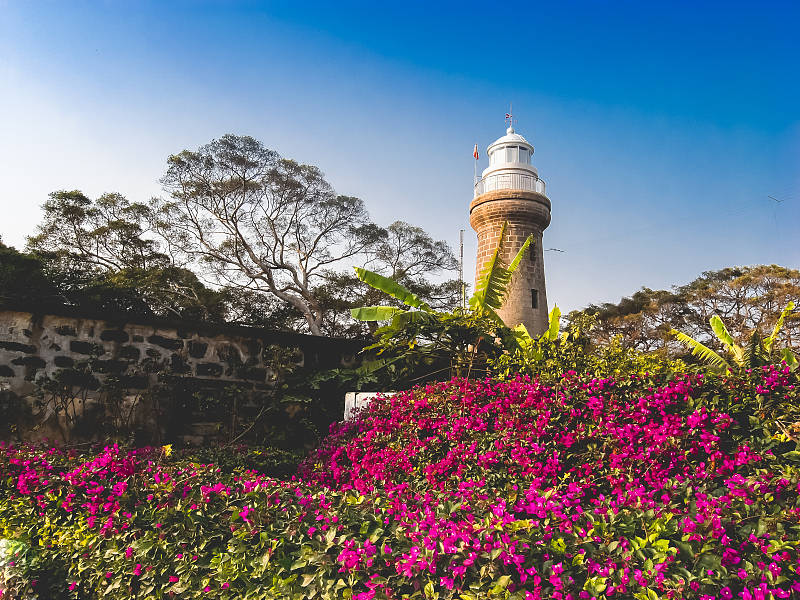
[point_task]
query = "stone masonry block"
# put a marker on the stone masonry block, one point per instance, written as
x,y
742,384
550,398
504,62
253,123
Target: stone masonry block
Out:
x,y
165,342
80,347
17,347
114,335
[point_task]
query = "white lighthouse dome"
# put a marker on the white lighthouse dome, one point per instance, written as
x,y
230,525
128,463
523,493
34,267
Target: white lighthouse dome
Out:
x,y
510,166
511,137
511,153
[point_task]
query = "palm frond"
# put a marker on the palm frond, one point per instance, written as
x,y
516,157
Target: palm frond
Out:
x,y
492,277
754,356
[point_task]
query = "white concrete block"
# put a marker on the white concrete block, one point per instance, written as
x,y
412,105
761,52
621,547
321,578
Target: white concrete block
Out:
x,y
356,400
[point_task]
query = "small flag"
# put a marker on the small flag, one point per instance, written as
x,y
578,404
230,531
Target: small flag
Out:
x,y
508,115
475,152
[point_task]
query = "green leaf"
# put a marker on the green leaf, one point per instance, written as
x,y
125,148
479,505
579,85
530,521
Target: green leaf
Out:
x,y
391,287
298,564
522,336
554,324
375,313
491,288
722,334
768,342
520,255
790,358
700,350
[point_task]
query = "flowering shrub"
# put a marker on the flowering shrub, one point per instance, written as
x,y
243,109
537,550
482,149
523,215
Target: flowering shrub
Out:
x,y
589,488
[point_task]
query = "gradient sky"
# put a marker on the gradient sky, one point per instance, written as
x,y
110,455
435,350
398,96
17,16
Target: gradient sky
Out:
x,y
661,129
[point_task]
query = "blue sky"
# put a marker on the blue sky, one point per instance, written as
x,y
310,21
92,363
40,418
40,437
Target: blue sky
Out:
x,y
661,129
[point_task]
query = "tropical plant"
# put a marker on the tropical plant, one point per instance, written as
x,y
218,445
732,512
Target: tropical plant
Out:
x,y
491,288
532,349
419,342
745,298
418,337
758,352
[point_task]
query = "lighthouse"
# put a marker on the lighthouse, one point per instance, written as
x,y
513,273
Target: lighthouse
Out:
x,y
509,189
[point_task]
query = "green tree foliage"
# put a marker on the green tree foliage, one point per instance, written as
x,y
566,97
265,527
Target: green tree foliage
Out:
x,y
420,342
23,276
268,234
757,353
107,233
407,255
251,220
747,299
101,254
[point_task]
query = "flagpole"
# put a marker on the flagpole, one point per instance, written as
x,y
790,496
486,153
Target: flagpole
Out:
x,y
461,270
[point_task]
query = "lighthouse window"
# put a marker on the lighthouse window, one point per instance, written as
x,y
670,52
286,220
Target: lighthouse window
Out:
x,y
523,155
511,154
534,298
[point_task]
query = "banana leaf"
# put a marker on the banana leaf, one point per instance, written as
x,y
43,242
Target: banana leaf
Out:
x,y
491,288
705,353
554,324
791,360
769,341
375,313
391,287
730,345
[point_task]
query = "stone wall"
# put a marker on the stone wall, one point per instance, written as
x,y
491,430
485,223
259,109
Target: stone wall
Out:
x,y
527,213
39,341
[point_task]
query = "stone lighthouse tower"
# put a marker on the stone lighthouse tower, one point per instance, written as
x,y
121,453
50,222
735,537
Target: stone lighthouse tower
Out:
x,y
510,190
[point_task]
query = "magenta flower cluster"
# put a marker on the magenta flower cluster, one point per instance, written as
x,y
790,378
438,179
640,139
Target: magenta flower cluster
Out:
x,y
588,488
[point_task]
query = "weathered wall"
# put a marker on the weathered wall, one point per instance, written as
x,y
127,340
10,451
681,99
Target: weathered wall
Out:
x,y
39,341
527,213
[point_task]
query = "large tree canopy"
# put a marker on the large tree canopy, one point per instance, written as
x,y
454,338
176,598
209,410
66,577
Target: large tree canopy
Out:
x,y
100,253
269,236
107,233
252,220
746,298
23,276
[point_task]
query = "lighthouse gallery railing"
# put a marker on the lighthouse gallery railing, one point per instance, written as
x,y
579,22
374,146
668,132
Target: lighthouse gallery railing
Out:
x,y
509,181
